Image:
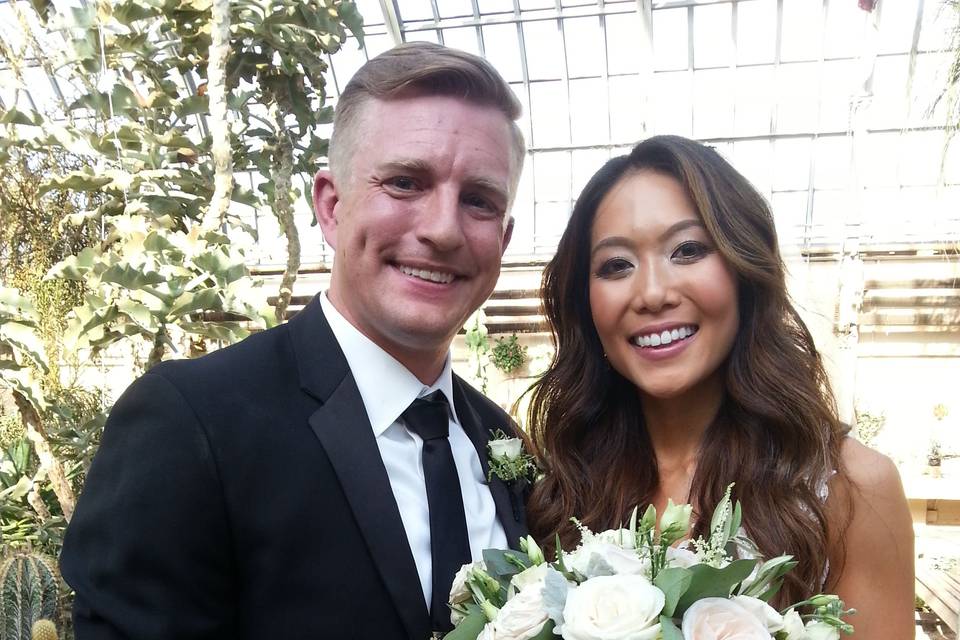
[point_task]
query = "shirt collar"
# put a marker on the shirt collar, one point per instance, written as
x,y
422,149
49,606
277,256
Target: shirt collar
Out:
x,y
386,387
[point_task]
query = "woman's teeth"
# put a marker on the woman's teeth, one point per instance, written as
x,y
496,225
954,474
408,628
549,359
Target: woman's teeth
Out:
x,y
664,337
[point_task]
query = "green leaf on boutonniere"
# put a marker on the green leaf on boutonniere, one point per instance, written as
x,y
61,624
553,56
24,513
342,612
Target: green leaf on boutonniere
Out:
x,y
711,582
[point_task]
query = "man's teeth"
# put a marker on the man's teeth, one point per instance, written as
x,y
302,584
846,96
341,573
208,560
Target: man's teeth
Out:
x,y
423,274
664,337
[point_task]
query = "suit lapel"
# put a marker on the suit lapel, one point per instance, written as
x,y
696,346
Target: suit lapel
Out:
x,y
509,507
344,430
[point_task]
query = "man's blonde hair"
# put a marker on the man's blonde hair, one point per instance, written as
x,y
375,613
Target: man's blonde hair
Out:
x,y
421,69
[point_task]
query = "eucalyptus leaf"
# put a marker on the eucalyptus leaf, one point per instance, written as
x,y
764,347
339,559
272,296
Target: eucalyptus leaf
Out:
x,y
469,628
711,582
673,581
668,630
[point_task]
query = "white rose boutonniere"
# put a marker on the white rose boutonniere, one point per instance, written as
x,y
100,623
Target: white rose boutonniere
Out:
x,y
508,460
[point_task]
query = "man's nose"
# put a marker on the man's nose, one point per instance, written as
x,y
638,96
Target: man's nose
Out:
x,y
440,223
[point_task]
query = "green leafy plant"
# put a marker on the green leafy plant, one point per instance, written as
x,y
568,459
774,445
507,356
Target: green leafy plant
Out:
x,y
508,355
478,347
868,426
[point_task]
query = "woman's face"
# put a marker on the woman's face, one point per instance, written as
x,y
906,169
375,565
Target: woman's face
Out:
x,y
664,301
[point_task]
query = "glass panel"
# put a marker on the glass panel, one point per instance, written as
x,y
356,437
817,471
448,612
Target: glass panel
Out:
x,y
670,38
920,155
798,100
790,215
495,6
882,214
529,5
791,163
548,112
897,20
586,162
427,35
928,82
551,176
371,12
756,32
455,8
672,103
588,112
551,221
544,50
753,106
464,38
832,162
584,41
522,212
414,10
889,106
951,166
802,30
876,162
754,159
713,103
838,84
846,27
712,36
503,50
623,48
937,27
626,115
376,45
347,61
578,3
830,211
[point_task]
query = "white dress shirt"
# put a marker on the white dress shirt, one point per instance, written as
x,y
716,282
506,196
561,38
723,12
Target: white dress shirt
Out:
x,y
387,389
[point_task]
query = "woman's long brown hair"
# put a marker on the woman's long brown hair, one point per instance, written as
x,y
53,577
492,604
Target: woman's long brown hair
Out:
x,y
777,435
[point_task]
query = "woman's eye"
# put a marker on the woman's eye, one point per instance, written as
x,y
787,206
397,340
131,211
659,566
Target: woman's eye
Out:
x,y
613,267
690,251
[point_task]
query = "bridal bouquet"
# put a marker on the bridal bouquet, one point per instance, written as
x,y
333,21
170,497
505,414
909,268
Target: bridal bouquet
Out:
x,y
634,584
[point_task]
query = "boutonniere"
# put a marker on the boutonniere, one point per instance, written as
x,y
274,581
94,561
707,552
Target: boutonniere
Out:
x,y
507,459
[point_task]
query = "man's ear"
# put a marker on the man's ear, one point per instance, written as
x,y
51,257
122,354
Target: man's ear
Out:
x,y
325,200
507,234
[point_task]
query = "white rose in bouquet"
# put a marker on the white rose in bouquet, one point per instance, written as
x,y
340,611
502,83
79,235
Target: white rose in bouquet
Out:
x,y
767,615
680,557
459,592
521,618
509,448
721,619
621,607
793,626
621,537
534,575
604,558
816,630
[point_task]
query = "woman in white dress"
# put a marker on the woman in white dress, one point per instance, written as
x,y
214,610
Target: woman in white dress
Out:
x,y
682,366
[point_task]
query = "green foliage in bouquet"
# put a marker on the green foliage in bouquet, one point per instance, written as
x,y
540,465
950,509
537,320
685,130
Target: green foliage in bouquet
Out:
x,y
29,591
660,580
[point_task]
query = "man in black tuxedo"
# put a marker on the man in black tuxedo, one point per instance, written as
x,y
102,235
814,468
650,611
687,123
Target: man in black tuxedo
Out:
x,y
325,478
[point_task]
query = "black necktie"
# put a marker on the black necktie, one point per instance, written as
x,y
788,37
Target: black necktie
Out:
x,y
449,543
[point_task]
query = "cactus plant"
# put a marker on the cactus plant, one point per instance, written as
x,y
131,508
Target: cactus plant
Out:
x,y
29,589
43,630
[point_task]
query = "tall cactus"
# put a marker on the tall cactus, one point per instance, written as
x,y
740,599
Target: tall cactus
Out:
x,y
29,589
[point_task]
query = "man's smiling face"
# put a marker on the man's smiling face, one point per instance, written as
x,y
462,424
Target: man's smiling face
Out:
x,y
421,226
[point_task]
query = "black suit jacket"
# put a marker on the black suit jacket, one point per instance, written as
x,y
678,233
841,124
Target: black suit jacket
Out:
x,y
242,495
